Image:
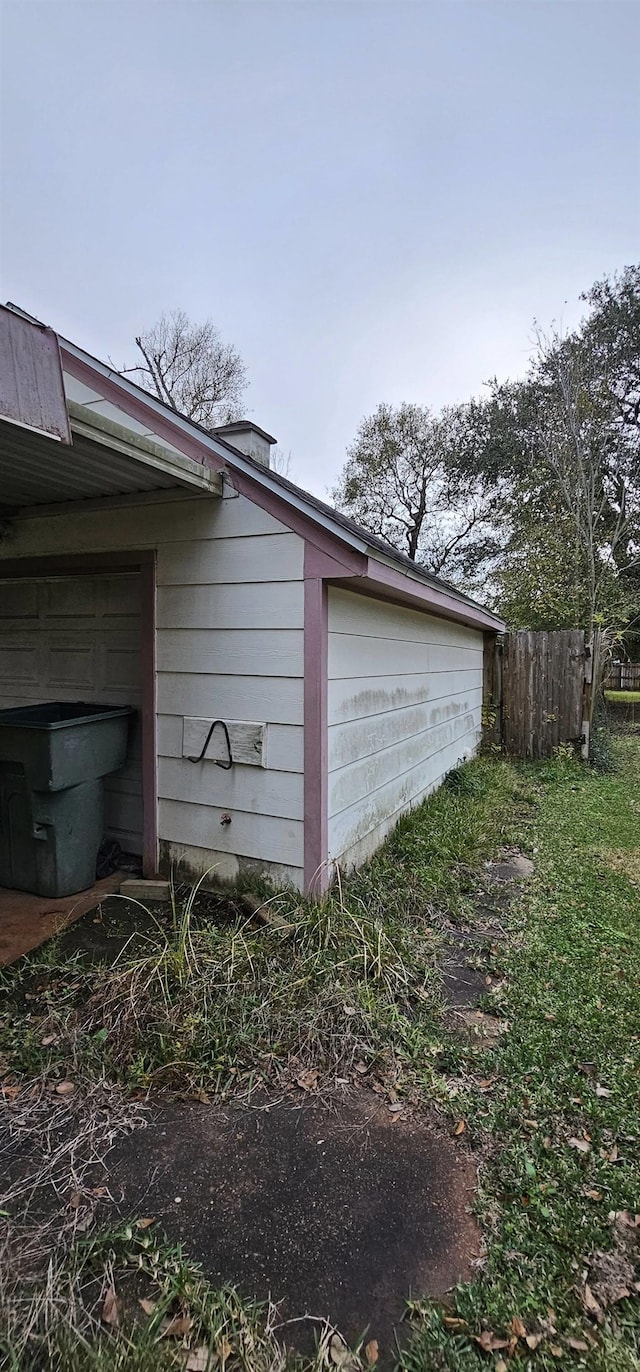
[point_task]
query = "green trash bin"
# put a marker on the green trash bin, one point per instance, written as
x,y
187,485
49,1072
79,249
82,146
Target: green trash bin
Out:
x,y
52,761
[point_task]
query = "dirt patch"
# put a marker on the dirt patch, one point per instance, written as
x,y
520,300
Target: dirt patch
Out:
x,y
514,867
623,860
463,983
104,933
118,923
334,1214
466,961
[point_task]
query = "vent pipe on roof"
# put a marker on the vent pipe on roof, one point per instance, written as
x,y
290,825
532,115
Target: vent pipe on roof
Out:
x,y
248,438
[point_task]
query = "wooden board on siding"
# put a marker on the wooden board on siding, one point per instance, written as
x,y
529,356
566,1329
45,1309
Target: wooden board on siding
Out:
x,y
285,750
247,741
149,525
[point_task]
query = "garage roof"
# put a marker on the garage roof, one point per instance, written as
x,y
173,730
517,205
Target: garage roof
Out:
x,y
46,462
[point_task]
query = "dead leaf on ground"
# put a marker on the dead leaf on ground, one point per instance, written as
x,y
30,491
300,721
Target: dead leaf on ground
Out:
x,y
199,1360
602,1091
501,1365
48,1040
533,1341
518,1328
623,1219
224,1349
341,1356
578,1345
175,1327
489,1342
580,1144
591,1193
65,1088
555,1350
591,1305
10,1092
110,1313
147,1305
144,1223
460,1128
371,1352
85,1222
307,1081
396,1107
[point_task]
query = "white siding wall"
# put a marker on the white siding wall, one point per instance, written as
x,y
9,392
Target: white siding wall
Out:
x,y
229,645
404,707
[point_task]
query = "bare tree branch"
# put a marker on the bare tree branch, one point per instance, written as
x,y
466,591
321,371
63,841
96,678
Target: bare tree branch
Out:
x,y
190,368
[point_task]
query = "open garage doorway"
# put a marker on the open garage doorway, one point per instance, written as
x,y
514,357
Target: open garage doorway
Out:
x,y
83,630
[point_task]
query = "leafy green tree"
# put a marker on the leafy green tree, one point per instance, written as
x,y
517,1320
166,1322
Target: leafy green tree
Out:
x,y
612,333
568,437
410,477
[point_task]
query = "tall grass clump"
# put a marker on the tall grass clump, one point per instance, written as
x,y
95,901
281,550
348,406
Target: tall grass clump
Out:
x,y
203,1002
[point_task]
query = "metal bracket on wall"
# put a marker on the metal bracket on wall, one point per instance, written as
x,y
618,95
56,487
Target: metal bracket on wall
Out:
x,y
228,762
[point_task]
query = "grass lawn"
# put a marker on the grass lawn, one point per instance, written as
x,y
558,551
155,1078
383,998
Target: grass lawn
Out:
x,y
216,1006
623,697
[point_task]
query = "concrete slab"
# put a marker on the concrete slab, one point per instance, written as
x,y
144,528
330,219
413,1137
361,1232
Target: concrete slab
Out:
x,y
26,920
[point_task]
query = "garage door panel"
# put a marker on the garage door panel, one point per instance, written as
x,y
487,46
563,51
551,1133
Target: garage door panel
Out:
x,y
70,599
121,668
70,664
19,600
19,662
121,597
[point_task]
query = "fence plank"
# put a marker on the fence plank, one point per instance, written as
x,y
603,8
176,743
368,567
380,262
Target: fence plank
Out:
x,y
623,676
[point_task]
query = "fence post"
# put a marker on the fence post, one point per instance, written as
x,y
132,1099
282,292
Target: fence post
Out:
x,y
591,687
492,691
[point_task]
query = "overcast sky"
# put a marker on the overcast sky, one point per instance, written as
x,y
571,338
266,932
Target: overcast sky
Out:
x,y
372,200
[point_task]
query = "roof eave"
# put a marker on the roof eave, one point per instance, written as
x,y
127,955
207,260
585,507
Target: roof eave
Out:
x,y
219,452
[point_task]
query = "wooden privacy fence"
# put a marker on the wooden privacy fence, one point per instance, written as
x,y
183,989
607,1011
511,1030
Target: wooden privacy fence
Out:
x,y
623,676
538,691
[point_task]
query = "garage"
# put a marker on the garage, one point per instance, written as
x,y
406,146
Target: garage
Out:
x,y
296,684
